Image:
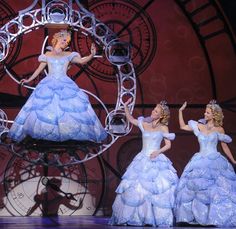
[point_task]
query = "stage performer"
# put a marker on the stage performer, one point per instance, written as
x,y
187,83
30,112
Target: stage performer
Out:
x,y
146,194
206,193
58,110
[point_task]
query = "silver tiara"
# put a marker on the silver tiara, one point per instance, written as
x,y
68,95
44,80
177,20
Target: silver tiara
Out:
x,y
64,32
213,102
164,106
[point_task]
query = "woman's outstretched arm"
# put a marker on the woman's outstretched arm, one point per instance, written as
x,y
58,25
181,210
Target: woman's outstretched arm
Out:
x,y
130,118
86,59
36,73
182,124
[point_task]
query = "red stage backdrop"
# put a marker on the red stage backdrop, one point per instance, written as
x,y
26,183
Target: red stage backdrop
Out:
x,y
181,52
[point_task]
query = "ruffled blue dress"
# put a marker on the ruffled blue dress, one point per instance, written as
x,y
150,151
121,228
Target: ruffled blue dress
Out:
x,y
206,193
57,110
146,194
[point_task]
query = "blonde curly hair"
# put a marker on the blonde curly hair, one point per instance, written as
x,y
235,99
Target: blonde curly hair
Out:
x,y
165,113
216,112
62,33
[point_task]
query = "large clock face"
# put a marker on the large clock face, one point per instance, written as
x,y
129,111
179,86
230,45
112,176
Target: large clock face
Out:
x,y
71,190
132,24
25,194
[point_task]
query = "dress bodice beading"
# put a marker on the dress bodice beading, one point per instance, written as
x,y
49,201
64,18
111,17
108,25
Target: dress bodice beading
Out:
x,y
57,66
152,139
208,142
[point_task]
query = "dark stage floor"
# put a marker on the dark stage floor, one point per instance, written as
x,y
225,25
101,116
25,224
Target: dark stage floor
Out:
x,y
65,222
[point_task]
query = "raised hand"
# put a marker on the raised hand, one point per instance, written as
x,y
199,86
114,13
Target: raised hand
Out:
x,y
183,106
93,49
128,102
154,154
24,81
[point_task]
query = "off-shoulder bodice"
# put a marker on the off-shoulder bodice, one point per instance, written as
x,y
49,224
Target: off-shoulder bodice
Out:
x,y
208,142
57,66
152,139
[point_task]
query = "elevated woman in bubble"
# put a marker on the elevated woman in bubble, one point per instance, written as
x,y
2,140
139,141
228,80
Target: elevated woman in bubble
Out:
x,y
58,110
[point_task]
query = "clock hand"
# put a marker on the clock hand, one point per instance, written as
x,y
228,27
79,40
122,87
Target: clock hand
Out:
x,y
69,196
55,187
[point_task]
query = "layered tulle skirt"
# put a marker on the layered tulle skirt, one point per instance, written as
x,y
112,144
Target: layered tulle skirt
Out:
x,y
206,193
146,194
58,110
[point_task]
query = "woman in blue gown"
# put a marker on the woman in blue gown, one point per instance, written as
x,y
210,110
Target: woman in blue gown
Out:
x,y
206,193
146,194
58,110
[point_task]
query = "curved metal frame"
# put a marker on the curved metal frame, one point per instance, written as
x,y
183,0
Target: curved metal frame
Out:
x,y
77,19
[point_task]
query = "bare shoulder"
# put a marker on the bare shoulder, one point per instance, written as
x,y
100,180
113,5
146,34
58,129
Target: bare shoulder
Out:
x,y
201,126
48,53
67,53
145,124
165,128
220,130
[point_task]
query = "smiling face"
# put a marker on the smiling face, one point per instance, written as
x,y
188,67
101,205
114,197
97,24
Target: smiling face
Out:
x,y
214,112
156,112
61,39
208,115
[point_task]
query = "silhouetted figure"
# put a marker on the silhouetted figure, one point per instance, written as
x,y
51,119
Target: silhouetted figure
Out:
x,y
50,199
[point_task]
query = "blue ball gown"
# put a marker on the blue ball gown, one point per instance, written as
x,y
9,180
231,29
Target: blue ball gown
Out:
x,y
57,110
146,194
206,193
